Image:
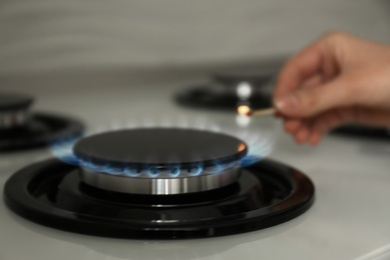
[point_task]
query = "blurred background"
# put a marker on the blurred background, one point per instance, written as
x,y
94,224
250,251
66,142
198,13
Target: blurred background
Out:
x,y
137,53
53,36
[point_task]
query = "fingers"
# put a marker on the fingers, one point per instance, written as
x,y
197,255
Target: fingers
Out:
x,y
312,67
319,58
369,116
313,81
303,131
312,130
298,69
355,115
329,120
338,79
308,102
315,137
292,125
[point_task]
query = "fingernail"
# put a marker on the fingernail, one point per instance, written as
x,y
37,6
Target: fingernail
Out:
x,y
286,103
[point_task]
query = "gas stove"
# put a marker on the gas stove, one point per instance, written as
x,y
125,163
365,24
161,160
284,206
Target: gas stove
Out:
x,y
21,129
159,183
349,219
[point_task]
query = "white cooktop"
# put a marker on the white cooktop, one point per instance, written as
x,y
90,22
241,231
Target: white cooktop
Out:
x,y
350,218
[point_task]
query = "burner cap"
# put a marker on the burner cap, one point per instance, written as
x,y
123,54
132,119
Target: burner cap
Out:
x,y
160,147
223,92
21,129
161,161
13,110
232,79
12,102
40,130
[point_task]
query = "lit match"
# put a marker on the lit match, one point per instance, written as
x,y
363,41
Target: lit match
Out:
x,y
244,110
247,111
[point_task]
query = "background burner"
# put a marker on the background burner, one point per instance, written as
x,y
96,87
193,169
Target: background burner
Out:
x,y
51,193
21,129
13,110
159,160
222,92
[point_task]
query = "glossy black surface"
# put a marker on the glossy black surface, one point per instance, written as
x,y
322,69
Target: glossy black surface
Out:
x,y
39,130
231,79
204,97
13,101
159,147
224,97
50,193
364,132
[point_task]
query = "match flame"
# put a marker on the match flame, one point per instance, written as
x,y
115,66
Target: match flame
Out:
x,y
241,147
244,110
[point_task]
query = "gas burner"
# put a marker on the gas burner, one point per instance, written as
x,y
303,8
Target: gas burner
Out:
x,y
200,203
20,129
227,90
364,132
159,161
13,110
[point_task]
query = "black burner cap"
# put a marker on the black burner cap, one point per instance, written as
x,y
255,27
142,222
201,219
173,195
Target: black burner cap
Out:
x,y
220,93
13,101
160,147
233,79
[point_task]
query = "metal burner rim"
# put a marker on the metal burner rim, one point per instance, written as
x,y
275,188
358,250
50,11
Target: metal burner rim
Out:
x,y
13,118
159,186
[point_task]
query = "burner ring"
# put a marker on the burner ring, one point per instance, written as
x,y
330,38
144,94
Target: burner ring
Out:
x,y
14,110
22,129
159,161
222,92
13,119
40,130
160,186
51,193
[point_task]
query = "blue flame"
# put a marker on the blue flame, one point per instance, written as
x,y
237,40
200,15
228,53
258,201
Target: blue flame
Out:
x,y
92,166
249,160
195,170
259,147
131,172
219,167
175,171
153,172
63,150
113,170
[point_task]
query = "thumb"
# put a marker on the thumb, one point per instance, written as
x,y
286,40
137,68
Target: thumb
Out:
x,y
312,101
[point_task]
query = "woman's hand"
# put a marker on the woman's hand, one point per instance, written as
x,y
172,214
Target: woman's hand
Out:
x,y
338,79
